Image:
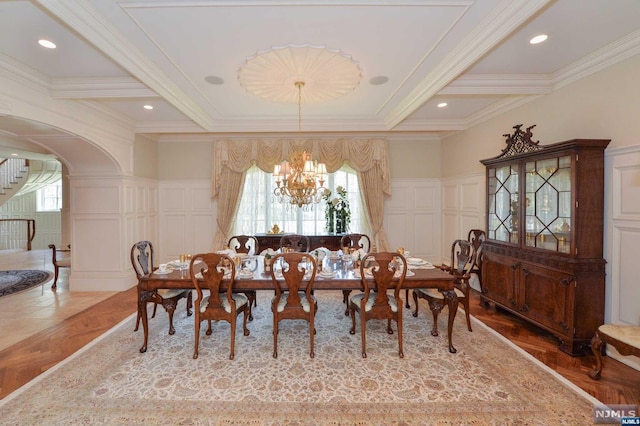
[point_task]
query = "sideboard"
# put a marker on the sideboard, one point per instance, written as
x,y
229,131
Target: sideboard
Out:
x,y
332,242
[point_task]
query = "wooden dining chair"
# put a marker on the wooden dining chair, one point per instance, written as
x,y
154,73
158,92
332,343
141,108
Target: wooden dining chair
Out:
x,y
462,259
387,274
356,242
297,242
207,273
142,262
60,259
294,297
247,244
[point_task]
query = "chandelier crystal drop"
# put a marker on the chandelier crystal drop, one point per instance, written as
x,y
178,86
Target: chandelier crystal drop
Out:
x,y
300,180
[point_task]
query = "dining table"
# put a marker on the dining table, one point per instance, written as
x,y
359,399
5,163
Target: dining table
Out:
x,y
344,277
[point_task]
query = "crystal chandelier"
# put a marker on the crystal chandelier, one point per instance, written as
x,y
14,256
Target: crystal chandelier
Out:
x,y
300,180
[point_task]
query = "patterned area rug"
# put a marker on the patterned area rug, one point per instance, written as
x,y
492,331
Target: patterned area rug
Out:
x,y
488,382
15,281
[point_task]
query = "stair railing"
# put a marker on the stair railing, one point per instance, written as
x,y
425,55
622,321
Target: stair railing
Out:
x,y
11,170
16,233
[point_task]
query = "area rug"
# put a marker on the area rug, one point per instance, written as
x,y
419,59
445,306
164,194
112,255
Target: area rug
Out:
x,y
488,382
19,280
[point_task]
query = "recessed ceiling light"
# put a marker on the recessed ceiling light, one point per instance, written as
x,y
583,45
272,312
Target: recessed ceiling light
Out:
x,y
46,43
378,80
148,107
13,154
442,104
214,79
538,39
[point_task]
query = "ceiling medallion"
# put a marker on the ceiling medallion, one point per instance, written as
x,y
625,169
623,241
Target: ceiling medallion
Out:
x,y
327,74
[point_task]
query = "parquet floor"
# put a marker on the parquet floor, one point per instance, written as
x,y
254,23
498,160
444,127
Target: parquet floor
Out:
x,y
68,325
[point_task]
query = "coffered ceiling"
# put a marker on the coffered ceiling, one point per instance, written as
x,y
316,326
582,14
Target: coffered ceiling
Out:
x,y
184,58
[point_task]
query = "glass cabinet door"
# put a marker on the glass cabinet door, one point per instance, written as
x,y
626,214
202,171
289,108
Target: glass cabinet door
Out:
x,y
548,204
503,203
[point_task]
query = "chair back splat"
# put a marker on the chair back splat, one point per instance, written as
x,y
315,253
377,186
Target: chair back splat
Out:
x,y
380,273
293,275
246,244
208,270
295,242
355,242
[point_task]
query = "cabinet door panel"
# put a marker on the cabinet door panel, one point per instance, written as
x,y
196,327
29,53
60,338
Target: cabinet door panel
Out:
x,y
500,285
546,296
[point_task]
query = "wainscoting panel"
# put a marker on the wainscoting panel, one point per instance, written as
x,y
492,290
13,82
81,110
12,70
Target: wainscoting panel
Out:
x,y
187,218
463,198
412,217
622,234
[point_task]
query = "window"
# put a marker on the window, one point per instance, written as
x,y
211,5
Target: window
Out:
x,y
259,210
49,198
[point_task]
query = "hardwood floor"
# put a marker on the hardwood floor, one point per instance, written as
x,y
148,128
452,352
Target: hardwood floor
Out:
x,y
40,350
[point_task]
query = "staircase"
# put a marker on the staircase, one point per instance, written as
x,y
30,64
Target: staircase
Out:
x,y
13,174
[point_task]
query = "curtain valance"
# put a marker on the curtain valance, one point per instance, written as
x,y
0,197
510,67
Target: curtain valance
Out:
x,y
238,155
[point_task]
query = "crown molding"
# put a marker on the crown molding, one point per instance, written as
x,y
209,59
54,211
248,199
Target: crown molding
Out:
x,y
503,20
24,75
100,88
86,21
500,84
498,108
600,59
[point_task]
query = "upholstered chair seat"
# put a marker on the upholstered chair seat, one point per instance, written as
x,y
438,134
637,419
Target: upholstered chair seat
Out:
x,y
357,298
306,306
238,300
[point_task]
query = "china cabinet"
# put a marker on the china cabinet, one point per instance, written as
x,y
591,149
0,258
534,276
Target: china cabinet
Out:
x,y
542,259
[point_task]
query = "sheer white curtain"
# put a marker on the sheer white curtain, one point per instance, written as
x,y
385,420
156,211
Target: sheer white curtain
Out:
x,y
233,157
259,211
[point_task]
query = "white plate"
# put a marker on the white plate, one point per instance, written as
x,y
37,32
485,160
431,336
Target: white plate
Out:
x,y
244,276
326,275
159,272
416,261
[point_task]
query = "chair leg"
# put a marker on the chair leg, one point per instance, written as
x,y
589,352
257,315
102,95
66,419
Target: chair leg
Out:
x,y
399,324
353,321
465,303
245,330
55,277
436,306
233,337
596,348
312,331
189,303
363,332
406,298
170,311
345,300
251,295
197,338
155,307
275,335
209,329
415,302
